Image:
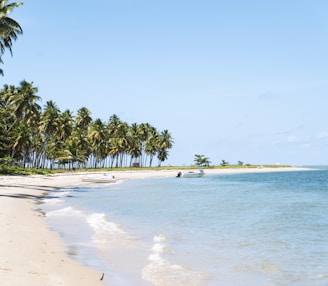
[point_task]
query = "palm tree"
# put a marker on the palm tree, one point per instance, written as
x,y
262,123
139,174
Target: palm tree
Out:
x,y
224,163
201,160
22,143
151,144
49,125
22,113
119,141
114,125
134,148
36,138
9,28
65,125
77,148
23,101
143,132
6,121
165,142
80,132
79,145
83,118
98,136
162,156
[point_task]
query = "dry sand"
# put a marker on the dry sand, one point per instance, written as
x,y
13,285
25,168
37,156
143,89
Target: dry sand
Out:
x,y
31,254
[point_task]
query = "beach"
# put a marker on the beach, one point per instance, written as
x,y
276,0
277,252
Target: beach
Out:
x,y
31,254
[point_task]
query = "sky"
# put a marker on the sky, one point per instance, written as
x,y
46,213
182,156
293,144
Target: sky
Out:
x,y
231,80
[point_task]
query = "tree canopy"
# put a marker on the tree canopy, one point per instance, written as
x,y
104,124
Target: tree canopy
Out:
x,y
9,28
201,160
47,137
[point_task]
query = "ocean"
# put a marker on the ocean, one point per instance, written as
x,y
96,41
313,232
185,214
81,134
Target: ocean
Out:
x,y
218,230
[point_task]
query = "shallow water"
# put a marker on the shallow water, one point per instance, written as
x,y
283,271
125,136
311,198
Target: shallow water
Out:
x,y
241,229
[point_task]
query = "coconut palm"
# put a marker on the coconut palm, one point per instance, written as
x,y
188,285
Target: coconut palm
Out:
x,y
36,138
49,126
98,136
164,142
135,147
83,118
114,126
22,143
65,125
151,144
79,145
22,109
162,156
9,28
144,131
6,121
78,148
23,101
201,160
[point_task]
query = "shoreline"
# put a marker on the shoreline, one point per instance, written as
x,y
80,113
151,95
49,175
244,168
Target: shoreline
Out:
x,y
32,254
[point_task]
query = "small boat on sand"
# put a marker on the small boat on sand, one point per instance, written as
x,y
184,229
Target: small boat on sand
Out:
x,y
191,174
99,179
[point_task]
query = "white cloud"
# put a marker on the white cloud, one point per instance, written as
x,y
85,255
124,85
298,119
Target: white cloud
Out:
x,y
292,139
323,134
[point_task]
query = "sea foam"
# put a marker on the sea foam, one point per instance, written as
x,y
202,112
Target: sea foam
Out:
x,y
160,270
68,211
104,230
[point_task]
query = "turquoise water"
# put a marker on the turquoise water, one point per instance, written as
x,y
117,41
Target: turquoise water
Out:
x,y
241,229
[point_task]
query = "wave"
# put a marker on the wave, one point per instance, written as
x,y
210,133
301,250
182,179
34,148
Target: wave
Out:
x,y
68,211
63,194
57,197
161,271
53,201
104,230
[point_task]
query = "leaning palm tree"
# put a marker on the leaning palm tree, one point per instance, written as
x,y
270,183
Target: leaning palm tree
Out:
x,y
9,28
165,142
162,156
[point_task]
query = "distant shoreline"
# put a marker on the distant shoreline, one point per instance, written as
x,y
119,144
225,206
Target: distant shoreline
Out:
x,y
14,171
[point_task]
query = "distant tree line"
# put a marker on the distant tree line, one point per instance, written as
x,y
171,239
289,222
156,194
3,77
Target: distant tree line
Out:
x,y
35,137
201,160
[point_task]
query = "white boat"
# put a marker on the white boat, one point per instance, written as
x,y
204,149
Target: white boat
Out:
x,y
191,174
99,179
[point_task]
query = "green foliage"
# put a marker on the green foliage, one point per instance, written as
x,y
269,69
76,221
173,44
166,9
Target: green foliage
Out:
x,y
201,160
224,163
16,170
9,28
51,139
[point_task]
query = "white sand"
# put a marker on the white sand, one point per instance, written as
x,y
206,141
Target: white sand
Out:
x,y
31,254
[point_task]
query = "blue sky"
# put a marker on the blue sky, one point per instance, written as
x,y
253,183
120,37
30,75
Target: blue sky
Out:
x,y
232,80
